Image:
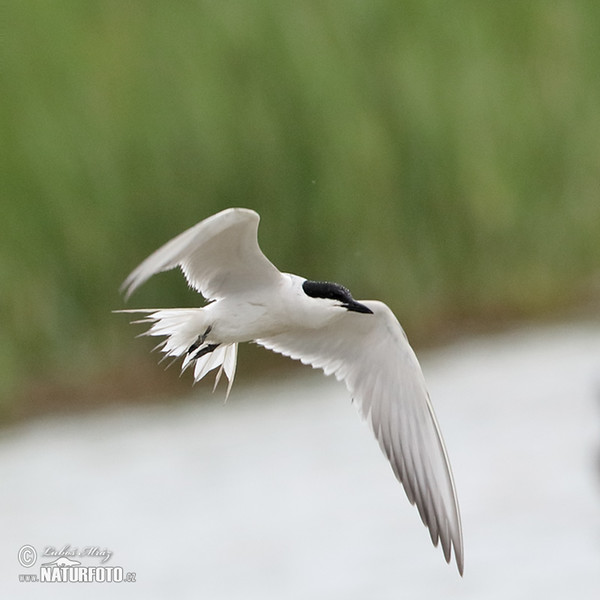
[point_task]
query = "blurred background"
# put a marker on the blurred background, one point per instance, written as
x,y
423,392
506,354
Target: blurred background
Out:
x,y
444,159
447,162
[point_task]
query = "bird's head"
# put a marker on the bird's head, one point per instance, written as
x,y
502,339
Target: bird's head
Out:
x,y
334,294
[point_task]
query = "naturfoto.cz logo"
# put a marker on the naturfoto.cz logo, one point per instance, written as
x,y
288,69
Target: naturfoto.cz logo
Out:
x,y
68,568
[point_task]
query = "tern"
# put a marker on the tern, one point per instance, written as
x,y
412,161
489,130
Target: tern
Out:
x,y
318,323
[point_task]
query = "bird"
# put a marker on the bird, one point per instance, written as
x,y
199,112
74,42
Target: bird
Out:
x,y
247,299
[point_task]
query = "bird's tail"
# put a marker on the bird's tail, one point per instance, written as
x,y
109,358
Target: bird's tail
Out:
x,y
186,330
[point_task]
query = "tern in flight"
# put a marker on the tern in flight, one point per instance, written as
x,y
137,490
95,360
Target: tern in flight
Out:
x,y
320,324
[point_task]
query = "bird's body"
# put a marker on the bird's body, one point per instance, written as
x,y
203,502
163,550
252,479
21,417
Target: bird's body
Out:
x,y
261,314
318,323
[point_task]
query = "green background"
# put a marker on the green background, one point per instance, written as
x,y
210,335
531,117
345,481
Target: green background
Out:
x,y
442,157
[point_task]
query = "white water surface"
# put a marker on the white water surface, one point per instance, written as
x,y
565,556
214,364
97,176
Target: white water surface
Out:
x,y
282,493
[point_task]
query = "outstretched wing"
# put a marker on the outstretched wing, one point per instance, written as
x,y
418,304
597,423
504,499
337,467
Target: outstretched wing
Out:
x,y
218,256
371,354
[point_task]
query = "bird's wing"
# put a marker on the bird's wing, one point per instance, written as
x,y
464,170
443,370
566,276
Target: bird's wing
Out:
x,y
218,256
371,354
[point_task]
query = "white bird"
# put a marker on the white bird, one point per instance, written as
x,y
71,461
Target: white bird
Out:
x,y
320,324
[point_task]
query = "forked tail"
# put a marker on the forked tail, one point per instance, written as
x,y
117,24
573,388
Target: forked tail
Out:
x,y
186,331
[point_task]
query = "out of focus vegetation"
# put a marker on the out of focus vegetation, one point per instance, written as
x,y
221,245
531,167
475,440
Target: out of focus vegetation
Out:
x,y
443,157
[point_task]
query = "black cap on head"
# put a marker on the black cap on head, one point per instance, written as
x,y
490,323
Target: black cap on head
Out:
x,y
334,291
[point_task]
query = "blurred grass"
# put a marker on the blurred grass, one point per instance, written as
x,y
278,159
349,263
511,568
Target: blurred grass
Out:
x,y
445,159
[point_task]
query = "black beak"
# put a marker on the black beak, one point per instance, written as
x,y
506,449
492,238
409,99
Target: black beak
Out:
x,y
357,307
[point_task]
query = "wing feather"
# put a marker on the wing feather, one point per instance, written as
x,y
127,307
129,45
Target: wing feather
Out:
x,y
218,256
371,354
